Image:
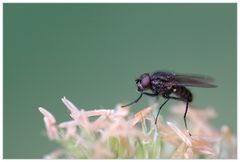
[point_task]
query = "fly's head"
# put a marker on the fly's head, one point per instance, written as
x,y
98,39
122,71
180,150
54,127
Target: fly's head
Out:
x,y
143,82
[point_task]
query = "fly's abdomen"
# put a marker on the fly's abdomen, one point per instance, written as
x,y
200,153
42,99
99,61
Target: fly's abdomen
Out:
x,y
183,93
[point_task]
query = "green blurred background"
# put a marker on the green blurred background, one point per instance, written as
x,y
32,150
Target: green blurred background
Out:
x,y
92,53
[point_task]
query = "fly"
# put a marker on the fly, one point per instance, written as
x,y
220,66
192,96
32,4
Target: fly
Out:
x,y
170,86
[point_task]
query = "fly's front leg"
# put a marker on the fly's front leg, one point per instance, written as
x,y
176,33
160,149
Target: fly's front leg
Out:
x,y
150,94
142,93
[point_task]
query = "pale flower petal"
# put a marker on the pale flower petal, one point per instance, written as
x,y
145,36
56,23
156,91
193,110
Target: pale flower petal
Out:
x,y
48,115
71,107
182,136
140,115
50,124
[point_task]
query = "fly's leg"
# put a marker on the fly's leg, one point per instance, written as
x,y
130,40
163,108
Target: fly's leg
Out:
x,y
155,94
150,94
160,109
135,101
184,117
142,93
175,98
185,113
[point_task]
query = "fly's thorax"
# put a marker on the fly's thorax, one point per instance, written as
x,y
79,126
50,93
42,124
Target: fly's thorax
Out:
x,y
158,87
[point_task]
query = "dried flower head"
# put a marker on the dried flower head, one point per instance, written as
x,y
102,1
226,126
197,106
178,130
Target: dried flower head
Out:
x,y
114,133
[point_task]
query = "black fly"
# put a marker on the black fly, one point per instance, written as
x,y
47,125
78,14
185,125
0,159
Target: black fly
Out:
x,y
167,83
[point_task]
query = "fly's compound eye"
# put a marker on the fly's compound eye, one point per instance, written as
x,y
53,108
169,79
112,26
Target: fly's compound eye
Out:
x,y
145,80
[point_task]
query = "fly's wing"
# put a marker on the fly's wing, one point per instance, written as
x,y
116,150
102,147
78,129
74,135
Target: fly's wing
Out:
x,y
193,80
